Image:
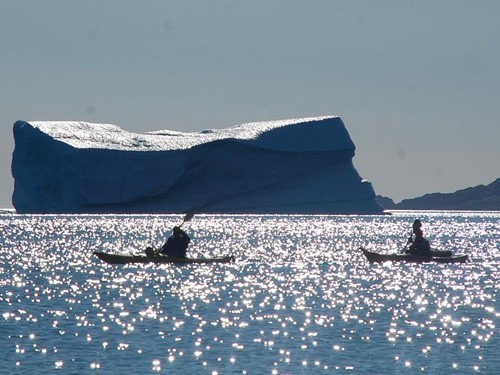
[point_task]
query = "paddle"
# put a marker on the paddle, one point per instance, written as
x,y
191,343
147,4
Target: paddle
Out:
x,y
403,250
187,217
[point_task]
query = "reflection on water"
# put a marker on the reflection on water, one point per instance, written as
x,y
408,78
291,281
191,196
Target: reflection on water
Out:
x,y
299,299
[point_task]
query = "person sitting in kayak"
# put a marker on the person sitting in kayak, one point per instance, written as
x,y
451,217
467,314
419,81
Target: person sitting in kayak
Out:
x,y
177,244
419,245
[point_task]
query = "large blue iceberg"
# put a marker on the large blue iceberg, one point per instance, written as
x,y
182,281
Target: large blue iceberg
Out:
x,y
298,166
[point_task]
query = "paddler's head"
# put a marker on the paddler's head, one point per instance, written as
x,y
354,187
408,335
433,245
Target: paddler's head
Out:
x,y
417,224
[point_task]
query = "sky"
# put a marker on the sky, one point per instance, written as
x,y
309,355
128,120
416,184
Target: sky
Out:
x,y
417,83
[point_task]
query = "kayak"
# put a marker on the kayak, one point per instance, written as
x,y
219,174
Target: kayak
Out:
x,y
438,256
159,259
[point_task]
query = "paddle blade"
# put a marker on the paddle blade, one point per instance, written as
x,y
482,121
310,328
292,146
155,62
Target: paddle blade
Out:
x,y
188,216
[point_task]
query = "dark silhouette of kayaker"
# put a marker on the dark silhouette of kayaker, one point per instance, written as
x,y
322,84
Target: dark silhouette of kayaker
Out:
x,y
177,244
419,245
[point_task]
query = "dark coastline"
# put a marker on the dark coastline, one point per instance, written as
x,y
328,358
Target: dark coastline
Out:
x,y
477,198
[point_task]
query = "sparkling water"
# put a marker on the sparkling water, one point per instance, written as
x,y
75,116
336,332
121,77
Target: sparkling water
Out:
x,y
300,298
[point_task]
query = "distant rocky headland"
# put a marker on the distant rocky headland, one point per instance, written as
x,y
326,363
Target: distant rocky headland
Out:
x,y
477,198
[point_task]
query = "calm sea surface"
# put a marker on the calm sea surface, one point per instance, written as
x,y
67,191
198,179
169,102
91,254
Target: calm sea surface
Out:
x,y
300,299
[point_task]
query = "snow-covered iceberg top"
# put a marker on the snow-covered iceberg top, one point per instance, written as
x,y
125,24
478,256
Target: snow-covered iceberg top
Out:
x,y
287,166
306,134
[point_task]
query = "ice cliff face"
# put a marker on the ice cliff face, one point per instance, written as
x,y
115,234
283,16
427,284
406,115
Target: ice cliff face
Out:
x,y
301,166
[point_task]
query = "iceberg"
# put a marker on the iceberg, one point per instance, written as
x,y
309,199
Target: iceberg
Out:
x,y
296,166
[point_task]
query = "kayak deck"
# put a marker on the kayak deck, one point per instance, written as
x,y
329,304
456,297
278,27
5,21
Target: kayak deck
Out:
x,y
160,259
397,257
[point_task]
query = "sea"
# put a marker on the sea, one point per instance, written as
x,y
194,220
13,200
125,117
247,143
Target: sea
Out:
x,y
299,299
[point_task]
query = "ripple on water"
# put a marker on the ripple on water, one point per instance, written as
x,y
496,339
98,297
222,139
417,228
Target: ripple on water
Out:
x,y
299,298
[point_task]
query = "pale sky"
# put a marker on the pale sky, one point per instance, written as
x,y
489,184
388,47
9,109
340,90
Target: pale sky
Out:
x,y
417,83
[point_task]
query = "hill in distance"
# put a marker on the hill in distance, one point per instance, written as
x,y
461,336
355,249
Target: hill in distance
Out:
x,y
477,198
